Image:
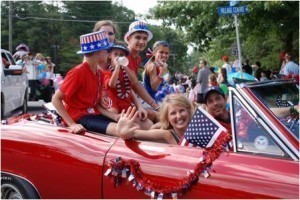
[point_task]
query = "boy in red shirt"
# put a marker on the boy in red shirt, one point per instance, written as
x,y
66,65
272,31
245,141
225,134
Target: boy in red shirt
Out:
x,y
137,39
77,100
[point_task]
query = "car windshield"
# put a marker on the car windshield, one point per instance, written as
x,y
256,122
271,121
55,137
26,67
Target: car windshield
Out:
x,y
280,95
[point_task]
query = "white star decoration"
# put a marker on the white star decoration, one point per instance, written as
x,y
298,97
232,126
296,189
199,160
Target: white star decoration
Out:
x,y
200,130
92,46
85,47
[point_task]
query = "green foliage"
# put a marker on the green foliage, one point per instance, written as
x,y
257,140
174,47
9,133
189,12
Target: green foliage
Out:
x,y
54,31
269,28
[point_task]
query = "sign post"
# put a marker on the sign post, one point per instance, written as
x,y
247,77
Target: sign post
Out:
x,y
238,41
234,49
235,10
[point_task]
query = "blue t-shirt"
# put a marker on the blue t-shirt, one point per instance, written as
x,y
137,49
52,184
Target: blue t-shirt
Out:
x,y
147,85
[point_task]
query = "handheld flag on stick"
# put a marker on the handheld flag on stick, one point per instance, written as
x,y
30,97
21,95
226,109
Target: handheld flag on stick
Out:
x,y
203,130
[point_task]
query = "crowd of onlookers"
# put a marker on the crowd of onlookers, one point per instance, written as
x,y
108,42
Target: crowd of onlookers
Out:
x,y
219,76
36,67
39,70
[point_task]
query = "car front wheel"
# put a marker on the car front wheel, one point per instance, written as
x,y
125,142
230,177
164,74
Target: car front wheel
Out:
x,y
14,187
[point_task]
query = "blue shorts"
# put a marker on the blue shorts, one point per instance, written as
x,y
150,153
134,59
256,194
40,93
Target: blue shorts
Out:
x,y
96,123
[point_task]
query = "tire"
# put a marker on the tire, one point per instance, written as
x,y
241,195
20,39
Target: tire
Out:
x,y
25,103
14,187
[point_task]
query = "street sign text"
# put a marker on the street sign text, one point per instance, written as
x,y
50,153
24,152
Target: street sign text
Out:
x,y
229,10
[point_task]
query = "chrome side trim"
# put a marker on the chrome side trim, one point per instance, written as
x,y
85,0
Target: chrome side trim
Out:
x,y
231,119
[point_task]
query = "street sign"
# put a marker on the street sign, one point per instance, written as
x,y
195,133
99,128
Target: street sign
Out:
x,y
229,10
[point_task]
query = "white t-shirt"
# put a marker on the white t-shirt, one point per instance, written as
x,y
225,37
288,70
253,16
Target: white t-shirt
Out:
x,y
227,67
31,71
291,68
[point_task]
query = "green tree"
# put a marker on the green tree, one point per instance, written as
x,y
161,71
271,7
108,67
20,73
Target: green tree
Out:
x,y
266,23
29,26
54,29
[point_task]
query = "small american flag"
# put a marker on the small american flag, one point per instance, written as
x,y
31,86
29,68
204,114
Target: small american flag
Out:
x,y
203,130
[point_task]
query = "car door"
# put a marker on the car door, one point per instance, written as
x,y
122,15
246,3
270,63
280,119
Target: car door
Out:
x,y
162,163
232,175
6,84
13,84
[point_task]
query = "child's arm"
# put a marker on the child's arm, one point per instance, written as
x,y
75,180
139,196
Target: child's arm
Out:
x,y
155,79
57,101
142,112
154,135
126,129
139,89
114,78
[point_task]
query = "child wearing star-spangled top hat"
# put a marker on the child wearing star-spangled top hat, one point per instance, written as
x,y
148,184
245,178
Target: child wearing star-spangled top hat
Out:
x,y
77,99
119,88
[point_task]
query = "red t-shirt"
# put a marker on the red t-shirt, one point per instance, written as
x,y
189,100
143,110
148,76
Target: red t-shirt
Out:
x,y
117,103
134,63
82,90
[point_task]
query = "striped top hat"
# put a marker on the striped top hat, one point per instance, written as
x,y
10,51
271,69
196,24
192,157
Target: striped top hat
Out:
x,y
138,26
93,42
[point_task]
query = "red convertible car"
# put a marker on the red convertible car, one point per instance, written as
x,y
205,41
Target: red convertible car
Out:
x,y
40,160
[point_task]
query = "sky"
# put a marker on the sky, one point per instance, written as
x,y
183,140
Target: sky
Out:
x,y
138,6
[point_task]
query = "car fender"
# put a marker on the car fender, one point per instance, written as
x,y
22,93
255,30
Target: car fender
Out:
x,y
72,160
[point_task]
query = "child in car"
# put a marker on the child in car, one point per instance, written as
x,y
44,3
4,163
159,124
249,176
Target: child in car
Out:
x,y
156,74
119,88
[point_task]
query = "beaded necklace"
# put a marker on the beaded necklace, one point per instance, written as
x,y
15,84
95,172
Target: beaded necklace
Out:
x,y
120,93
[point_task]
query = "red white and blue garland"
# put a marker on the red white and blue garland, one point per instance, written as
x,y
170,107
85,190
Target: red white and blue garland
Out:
x,y
131,169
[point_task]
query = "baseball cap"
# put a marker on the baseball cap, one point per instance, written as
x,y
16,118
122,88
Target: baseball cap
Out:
x,y
121,47
208,90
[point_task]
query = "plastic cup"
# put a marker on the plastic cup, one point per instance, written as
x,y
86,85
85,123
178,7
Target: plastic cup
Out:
x,y
123,61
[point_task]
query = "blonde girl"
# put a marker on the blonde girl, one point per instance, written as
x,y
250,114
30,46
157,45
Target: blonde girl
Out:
x,y
175,115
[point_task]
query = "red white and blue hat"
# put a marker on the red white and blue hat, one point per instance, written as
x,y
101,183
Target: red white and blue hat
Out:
x,y
138,26
93,42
